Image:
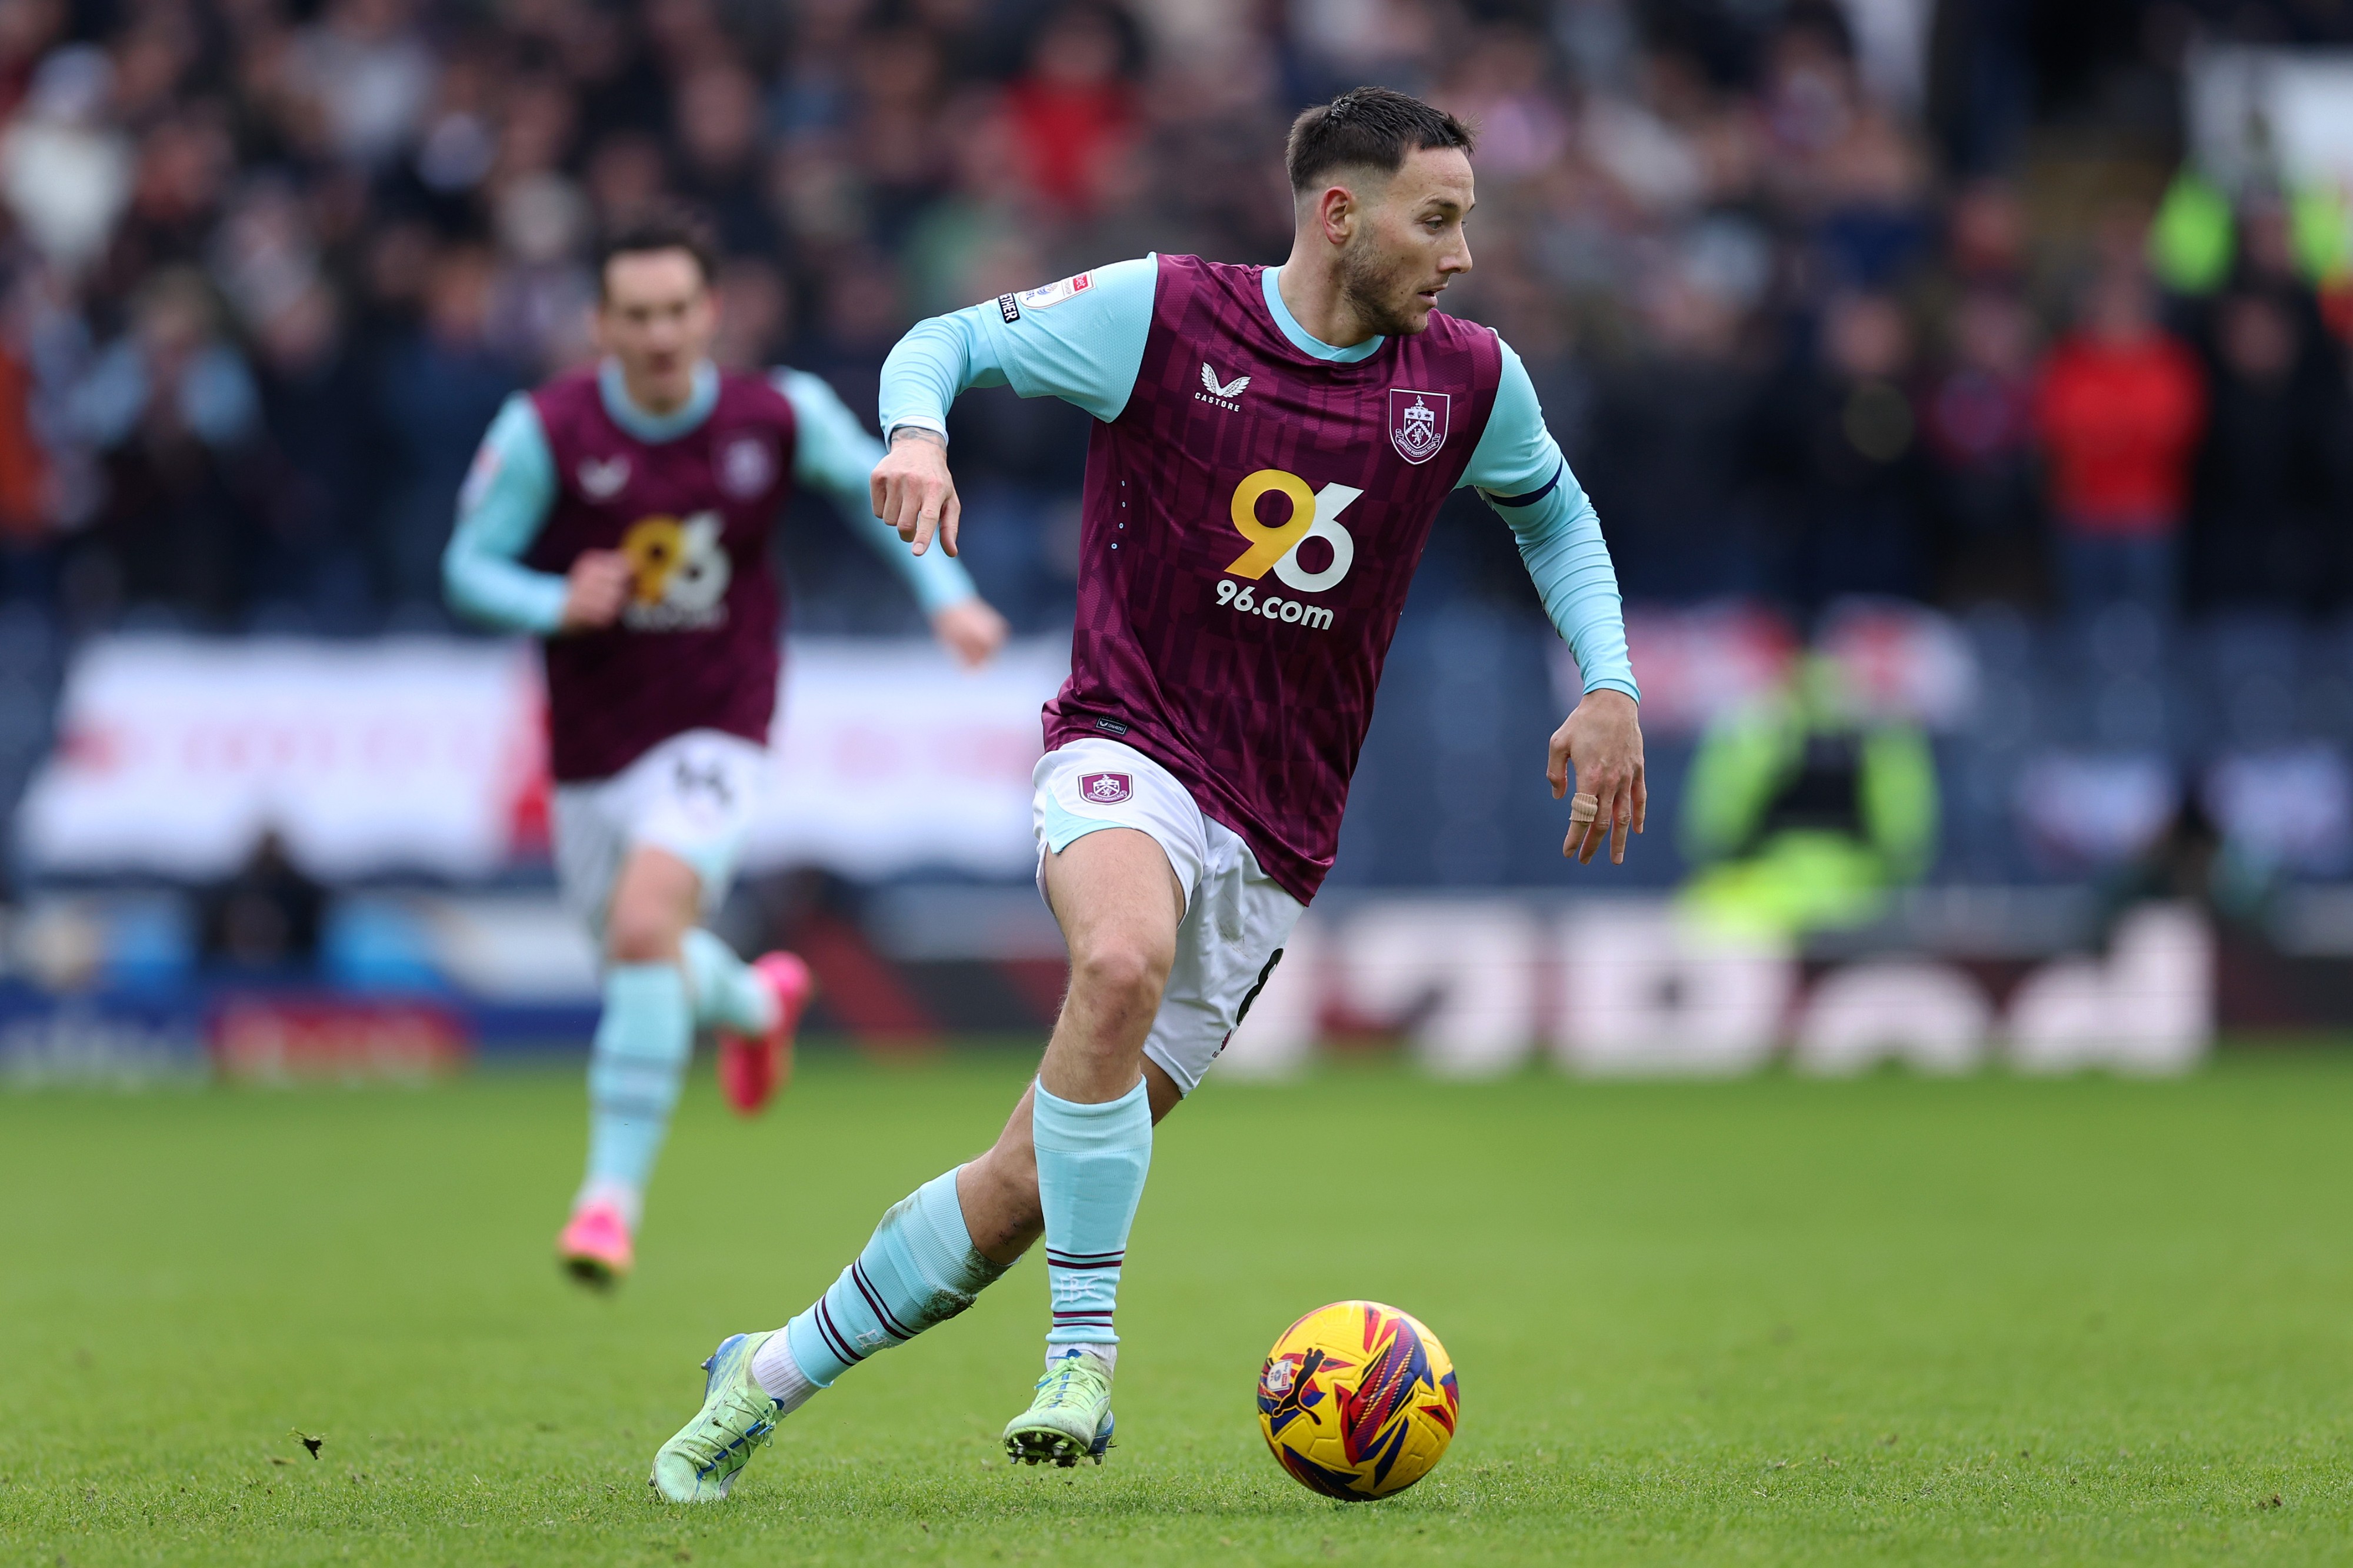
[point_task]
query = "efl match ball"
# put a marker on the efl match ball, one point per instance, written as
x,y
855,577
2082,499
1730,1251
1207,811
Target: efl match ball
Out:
x,y
1357,1400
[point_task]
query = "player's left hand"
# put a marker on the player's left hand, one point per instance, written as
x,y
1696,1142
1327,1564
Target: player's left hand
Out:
x,y
971,630
1603,742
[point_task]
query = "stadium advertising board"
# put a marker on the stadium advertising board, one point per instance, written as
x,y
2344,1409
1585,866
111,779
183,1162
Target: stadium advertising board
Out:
x,y
1637,988
426,757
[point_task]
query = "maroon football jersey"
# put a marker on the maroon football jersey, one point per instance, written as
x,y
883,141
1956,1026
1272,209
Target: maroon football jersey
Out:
x,y
697,646
1253,517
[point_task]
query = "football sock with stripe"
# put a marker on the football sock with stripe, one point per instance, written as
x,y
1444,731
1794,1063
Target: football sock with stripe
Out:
x,y
920,1268
1091,1161
727,994
638,1062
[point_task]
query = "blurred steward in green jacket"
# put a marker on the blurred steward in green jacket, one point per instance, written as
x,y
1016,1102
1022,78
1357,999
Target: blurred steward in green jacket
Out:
x,y
1801,812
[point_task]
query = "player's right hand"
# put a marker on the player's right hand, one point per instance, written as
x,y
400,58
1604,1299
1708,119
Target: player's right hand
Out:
x,y
913,491
596,590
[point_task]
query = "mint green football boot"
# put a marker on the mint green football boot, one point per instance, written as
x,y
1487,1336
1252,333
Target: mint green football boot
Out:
x,y
1069,1419
701,1463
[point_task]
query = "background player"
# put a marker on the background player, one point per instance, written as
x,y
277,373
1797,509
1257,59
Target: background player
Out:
x,y
1223,677
623,514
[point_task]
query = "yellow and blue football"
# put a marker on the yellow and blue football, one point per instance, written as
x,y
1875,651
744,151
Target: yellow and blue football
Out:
x,y
1357,1400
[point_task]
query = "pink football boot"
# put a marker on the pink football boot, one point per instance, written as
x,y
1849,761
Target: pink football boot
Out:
x,y
594,1247
753,1067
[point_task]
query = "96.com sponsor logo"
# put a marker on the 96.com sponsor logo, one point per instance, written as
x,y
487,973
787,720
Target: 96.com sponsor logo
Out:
x,y
1245,598
1275,547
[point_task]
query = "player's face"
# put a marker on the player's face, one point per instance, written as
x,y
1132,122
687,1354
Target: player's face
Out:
x,y
1410,245
658,318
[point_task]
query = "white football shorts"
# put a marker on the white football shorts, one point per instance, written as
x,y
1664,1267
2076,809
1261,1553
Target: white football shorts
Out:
x,y
1236,918
693,795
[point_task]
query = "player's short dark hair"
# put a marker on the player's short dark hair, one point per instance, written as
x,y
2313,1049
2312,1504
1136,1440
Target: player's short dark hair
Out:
x,y
666,229
1366,128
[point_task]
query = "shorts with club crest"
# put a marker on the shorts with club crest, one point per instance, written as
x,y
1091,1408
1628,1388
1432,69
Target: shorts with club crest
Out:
x,y
1235,918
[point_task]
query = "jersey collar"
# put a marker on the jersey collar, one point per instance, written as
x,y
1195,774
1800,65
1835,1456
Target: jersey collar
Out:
x,y
1301,339
648,426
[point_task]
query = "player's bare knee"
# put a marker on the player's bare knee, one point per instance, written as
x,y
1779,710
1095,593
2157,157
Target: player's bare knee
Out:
x,y
636,935
1119,974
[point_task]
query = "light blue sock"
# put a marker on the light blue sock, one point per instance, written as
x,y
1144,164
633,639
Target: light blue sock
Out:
x,y
1091,1161
635,1071
920,1268
726,994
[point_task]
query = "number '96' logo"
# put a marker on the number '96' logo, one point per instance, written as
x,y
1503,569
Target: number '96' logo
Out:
x,y
1312,514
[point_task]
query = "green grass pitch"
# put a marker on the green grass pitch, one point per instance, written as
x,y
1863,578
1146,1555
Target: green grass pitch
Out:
x,y
1777,1320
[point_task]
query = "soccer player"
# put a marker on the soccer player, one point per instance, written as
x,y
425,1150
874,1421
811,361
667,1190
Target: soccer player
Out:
x,y
1271,448
623,515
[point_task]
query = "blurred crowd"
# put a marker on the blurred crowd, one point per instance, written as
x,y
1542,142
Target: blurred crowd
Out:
x,y
270,266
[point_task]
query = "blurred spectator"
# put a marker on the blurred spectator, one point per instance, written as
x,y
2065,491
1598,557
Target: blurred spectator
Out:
x,y
1986,235
2272,479
1500,88
63,172
264,921
172,407
1073,110
28,490
626,177
858,325
1666,474
25,498
1978,420
755,315
437,390
719,133
1874,187
900,75
312,560
1801,813
541,302
363,62
1840,443
2119,405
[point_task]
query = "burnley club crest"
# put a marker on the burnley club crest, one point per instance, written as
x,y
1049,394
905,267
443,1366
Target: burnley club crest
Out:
x,y
1417,423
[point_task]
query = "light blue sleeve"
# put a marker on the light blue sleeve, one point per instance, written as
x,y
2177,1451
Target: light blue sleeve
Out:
x,y
1080,340
834,456
1518,468
500,510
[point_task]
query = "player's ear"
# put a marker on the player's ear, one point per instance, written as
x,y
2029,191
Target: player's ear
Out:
x,y
1335,211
